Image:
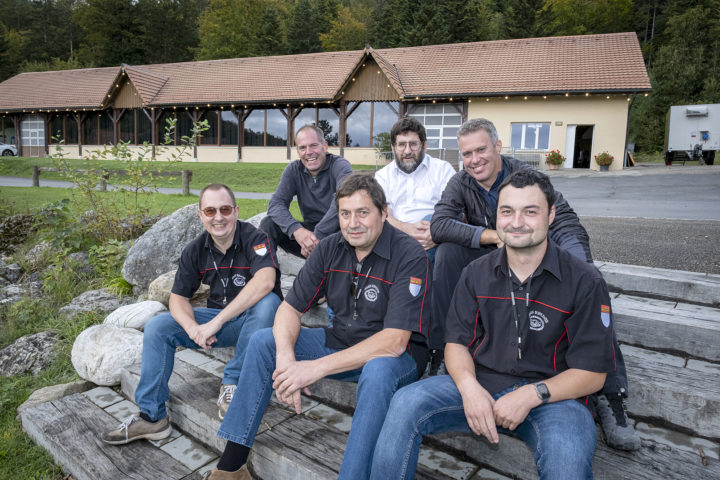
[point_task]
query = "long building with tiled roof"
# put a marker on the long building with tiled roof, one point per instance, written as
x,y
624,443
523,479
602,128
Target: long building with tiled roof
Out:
x,y
538,91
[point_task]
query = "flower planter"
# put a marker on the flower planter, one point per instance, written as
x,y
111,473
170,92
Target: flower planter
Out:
x,y
552,166
604,168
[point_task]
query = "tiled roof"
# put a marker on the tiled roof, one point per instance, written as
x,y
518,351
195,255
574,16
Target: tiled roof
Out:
x,y
590,63
594,63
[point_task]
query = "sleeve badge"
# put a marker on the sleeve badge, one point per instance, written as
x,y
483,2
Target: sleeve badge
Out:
x,y
605,315
260,249
415,286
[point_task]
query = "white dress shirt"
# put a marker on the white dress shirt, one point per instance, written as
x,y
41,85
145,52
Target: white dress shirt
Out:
x,y
412,196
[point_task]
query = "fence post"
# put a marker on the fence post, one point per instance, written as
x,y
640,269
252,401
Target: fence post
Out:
x,y
186,179
36,176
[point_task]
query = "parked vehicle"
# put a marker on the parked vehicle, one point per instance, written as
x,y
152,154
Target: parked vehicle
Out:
x,y
692,132
7,150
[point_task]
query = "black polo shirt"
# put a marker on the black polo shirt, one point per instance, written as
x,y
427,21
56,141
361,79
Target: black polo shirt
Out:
x,y
249,252
567,322
392,289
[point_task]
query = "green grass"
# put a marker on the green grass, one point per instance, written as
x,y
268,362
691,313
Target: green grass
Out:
x,y
241,177
28,200
649,157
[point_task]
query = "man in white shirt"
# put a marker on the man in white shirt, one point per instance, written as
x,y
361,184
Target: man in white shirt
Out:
x,y
413,184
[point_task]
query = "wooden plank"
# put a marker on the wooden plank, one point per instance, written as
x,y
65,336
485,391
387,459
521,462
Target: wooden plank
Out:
x,y
687,398
307,449
663,325
672,284
192,406
70,428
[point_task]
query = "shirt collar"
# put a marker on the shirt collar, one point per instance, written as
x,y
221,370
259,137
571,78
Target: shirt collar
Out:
x,y
236,238
383,245
550,262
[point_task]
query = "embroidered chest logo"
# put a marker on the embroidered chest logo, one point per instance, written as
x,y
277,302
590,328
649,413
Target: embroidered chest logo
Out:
x,y
260,249
371,293
238,280
605,315
415,286
537,320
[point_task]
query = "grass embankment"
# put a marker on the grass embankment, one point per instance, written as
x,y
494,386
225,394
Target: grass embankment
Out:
x,y
241,177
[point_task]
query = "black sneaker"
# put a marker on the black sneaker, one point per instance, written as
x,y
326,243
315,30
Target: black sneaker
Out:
x,y
615,424
437,363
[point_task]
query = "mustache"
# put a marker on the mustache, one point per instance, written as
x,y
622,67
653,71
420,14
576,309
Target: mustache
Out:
x,y
517,230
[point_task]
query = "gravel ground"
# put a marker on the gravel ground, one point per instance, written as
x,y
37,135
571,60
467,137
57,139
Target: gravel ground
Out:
x,y
692,245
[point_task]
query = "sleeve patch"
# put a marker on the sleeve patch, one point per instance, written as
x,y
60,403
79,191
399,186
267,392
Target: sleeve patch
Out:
x,y
260,249
415,286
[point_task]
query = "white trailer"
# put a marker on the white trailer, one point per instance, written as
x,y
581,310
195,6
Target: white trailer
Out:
x,y
692,132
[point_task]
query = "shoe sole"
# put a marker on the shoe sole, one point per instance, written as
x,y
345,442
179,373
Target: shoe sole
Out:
x,y
147,436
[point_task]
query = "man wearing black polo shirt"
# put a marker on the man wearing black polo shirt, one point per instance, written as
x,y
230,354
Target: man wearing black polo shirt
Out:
x,y
238,262
375,279
313,179
464,227
529,331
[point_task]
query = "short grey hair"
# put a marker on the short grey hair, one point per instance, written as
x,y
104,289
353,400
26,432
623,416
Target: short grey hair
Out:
x,y
318,131
475,124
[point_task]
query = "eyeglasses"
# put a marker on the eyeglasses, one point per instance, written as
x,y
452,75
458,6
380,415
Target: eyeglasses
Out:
x,y
224,210
413,145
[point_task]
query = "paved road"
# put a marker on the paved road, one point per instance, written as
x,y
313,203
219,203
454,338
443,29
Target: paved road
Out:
x,y
665,217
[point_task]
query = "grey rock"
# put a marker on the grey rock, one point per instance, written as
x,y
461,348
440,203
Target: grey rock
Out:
x,y
12,273
100,353
54,392
255,220
38,254
11,293
101,301
83,261
31,353
159,249
135,315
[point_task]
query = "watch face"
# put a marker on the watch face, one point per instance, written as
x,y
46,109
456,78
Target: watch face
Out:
x,y
542,391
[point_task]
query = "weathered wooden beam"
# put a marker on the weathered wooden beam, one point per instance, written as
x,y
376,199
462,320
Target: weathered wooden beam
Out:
x,y
69,430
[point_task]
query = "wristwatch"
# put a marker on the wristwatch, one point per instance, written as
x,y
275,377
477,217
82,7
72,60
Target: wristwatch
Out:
x,y
542,392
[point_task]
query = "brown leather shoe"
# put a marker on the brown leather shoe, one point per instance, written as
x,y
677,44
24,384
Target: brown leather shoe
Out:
x,y
240,474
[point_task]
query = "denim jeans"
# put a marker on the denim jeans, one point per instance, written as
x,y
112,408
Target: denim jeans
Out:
x,y
163,334
377,381
562,434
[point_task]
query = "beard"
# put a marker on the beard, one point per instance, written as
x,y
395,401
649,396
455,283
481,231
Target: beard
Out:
x,y
410,167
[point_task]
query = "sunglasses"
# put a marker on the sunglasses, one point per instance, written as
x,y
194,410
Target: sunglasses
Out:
x,y
224,210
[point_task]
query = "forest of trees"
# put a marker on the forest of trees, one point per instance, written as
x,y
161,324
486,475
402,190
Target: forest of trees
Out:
x,y
680,38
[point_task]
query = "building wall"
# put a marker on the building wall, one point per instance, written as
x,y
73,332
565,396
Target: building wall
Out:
x,y
609,117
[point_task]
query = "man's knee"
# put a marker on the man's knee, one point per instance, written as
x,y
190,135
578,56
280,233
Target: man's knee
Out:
x,y
379,376
267,305
159,326
262,340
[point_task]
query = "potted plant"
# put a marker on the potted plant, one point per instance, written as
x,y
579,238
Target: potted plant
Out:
x,y
554,160
604,159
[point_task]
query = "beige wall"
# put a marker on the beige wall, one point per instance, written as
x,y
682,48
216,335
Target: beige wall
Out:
x,y
609,117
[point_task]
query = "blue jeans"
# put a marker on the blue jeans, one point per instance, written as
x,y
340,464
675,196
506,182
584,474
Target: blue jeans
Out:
x,y
163,334
562,435
377,381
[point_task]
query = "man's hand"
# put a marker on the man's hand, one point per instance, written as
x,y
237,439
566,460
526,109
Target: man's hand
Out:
x,y
420,231
306,239
204,335
512,408
478,405
293,377
490,237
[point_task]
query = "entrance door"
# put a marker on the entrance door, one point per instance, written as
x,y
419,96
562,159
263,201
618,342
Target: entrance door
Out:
x,y
578,146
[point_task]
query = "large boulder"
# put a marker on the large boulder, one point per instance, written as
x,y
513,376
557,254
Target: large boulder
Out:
x,y
12,273
160,288
100,301
100,353
31,353
159,249
135,315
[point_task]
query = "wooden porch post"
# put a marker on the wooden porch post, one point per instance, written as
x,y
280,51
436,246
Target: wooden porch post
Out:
x,y
115,115
195,116
79,119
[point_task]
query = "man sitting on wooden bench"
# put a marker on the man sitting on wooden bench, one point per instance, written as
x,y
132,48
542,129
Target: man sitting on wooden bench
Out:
x,y
238,262
375,279
529,338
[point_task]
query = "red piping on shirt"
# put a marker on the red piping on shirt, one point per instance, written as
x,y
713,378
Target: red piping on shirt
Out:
x,y
358,274
422,304
269,245
556,348
316,294
478,347
202,272
534,301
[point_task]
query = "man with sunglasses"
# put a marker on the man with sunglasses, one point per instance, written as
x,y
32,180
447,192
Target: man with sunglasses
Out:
x,y
375,278
237,261
313,179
